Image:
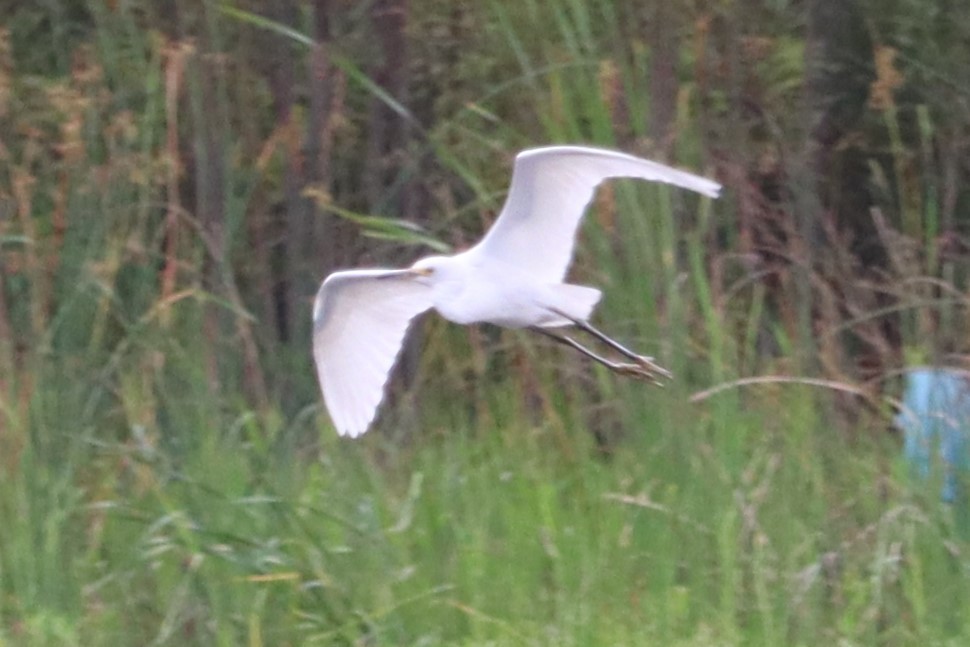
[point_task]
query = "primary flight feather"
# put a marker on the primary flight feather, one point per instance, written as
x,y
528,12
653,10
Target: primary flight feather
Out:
x,y
512,278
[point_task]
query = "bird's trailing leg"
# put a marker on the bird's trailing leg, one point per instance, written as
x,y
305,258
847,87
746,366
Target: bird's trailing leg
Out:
x,y
643,368
646,363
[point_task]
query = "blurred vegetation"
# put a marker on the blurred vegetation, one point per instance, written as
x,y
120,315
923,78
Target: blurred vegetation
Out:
x,y
177,177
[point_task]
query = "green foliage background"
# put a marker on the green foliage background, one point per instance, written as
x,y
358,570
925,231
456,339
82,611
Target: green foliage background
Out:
x,y
177,178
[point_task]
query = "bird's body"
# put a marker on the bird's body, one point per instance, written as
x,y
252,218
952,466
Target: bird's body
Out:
x,y
472,288
512,278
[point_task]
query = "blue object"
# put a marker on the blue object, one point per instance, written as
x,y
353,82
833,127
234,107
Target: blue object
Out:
x,y
936,413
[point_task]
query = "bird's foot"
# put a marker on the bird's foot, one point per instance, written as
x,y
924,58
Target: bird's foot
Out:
x,y
644,368
649,365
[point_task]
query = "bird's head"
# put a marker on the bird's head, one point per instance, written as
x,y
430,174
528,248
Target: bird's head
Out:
x,y
433,269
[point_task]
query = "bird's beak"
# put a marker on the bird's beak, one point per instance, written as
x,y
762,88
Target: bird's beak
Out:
x,y
410,273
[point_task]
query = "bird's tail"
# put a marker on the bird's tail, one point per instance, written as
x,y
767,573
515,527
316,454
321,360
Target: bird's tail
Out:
x,y
574,301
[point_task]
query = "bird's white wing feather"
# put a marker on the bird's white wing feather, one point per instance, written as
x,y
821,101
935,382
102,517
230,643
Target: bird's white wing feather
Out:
x,y
360,318
551,188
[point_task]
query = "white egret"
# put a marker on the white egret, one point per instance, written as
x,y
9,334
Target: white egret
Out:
x,y
512,278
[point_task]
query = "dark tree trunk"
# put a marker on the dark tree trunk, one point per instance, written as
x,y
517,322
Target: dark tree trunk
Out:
x,y
828,182
288,252
324,253
210,199
387,141
838,75
663,76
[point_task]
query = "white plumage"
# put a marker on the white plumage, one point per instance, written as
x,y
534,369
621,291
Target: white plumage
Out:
x,y
512,278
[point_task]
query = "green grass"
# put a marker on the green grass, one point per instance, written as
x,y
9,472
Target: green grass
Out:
x,y
706,525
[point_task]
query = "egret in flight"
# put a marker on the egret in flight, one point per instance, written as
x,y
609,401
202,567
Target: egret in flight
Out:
x,y
513,278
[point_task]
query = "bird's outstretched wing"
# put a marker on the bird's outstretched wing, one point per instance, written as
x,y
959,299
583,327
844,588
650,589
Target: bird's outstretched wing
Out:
x,y
551,188
360,318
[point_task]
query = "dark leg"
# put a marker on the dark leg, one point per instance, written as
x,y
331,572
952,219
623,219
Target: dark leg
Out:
x,y
642,369
609,341
646,363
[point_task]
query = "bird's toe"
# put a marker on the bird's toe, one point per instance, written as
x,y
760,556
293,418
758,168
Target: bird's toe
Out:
x,y
647,371
655,370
